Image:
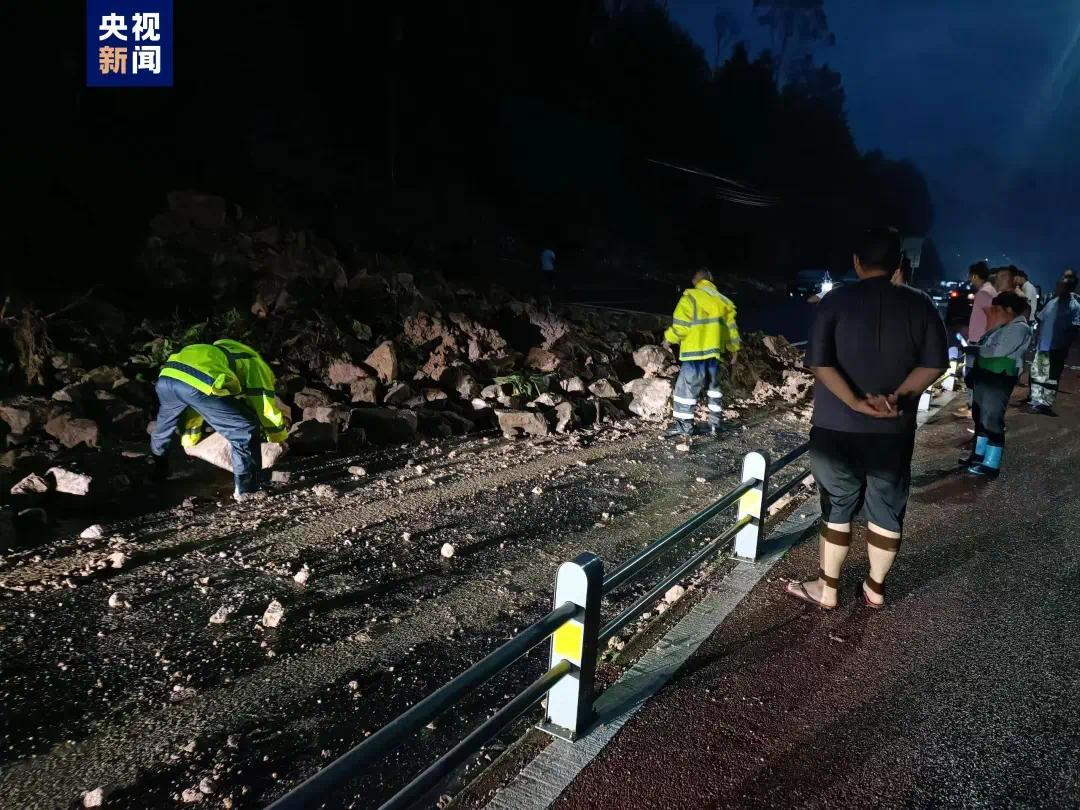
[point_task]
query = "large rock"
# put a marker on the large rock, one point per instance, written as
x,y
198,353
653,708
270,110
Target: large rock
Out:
x,y
383,360
331,414
342,372
564,417
311,436
122,417
215,449
134,391
656,361
103,377
386,425
398,394
462,381
71,432
516,423
651,397
75,394
542,359
24,414
201,210
33,484
605,389
310,398
364,391
71,482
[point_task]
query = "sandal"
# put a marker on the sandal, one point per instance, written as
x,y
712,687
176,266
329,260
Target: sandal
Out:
x,y
804,596
876,587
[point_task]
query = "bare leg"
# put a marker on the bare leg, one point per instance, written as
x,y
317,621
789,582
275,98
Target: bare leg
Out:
x,y
882,546
833,547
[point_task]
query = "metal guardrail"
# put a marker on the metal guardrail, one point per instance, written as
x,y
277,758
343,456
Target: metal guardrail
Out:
x,y
576,638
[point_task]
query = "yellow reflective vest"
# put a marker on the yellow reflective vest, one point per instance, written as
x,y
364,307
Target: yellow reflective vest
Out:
x,y
226,368
704,324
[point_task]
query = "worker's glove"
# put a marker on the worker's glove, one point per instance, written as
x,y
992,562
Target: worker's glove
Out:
x,y
160,469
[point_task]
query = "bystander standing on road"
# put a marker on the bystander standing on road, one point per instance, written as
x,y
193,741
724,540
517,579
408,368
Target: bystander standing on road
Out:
x,y
1058,324
999,358
547,269
979,277
1030,293
874,348
704,329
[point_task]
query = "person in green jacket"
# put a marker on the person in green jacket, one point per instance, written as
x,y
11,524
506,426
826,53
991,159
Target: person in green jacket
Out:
x,y
228,386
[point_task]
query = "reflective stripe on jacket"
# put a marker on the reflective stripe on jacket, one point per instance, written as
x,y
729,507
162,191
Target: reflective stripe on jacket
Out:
x,y
704,324
226,368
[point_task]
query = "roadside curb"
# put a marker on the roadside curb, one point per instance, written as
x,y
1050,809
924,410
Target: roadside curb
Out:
x,y
544,779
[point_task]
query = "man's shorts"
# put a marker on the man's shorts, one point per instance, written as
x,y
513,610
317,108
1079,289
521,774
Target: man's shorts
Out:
x,y
857,470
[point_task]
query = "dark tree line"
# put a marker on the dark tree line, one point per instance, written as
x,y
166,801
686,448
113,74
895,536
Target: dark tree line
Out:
x,y
463,130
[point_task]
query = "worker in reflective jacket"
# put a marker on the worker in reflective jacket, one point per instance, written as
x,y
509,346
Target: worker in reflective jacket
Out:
x,y
227,386
704,329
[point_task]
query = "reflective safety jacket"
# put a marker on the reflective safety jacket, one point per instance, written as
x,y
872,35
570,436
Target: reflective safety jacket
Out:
x,y
704,324
226,368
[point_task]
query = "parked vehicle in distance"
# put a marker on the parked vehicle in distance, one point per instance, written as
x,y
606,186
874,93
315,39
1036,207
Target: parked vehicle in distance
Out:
x,y
960,298
810,282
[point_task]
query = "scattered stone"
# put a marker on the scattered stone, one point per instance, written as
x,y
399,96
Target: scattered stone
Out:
x,y
24,414
310,398
70,482
280,477
97,796
364,391
357,471
117,600
117,559
215,449
674,594
342,372
324,491
301,577
207,786
573,385
548,400
398,394
191,796
33,484
274,614
386,425
447,551
221,615
564,417
542,359
656,361
683,447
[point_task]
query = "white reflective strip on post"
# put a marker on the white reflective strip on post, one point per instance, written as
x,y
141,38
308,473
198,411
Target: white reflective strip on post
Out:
x,y
570,701
716,408
755,467
685,401
682,415
924,401
716,394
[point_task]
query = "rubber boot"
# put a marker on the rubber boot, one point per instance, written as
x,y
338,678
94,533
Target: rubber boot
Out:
x,y
991,463
977,452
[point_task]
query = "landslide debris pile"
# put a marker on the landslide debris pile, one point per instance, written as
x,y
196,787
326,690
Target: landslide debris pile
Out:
x,y
366,349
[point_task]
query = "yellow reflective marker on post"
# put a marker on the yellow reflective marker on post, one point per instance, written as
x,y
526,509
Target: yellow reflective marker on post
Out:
x,y
568,641
750,503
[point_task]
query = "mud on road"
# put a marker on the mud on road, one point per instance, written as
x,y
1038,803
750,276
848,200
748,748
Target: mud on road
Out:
x,y
113,674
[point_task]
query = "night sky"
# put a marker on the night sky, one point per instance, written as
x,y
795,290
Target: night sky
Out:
x,y
984,96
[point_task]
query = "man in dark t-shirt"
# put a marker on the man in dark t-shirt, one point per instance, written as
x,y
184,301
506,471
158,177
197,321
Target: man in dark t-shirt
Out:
x,y
874,348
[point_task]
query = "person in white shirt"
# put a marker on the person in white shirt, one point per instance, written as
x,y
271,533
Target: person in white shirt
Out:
x,y
1025,288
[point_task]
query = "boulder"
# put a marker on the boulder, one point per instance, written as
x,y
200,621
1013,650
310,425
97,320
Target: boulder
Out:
x,y
386,425
310,398
650,397
311,436
342,372
604,389
76,394
383,360
215,449
548,400
460,380
516,423
656,361
331,414
103,377
134,391
364,391
122,417
33,484
564,417
398,394
24,414
72,432
70,482
542,359
573,385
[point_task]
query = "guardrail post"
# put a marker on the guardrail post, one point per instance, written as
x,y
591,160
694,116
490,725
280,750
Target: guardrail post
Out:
x,y
755,468
570,701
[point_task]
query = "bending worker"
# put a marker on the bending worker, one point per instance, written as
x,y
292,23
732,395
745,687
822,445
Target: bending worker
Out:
x,y
703,327
228,386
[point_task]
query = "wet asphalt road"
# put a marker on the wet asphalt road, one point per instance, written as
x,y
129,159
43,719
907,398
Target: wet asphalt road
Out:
x,y
965,692
152,700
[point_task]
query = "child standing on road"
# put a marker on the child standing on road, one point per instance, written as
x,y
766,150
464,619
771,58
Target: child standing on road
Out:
x,y
998,361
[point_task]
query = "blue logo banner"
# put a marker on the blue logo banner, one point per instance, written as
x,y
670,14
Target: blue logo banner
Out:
x,y
129,43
